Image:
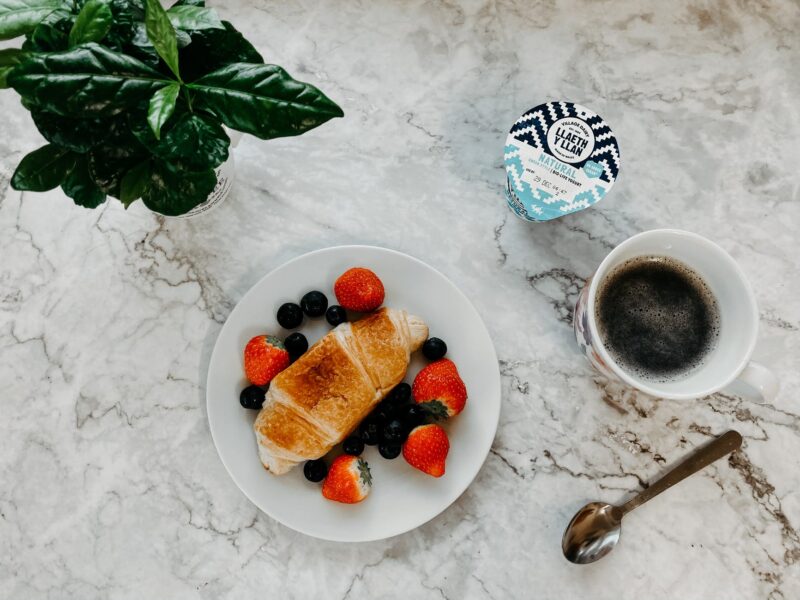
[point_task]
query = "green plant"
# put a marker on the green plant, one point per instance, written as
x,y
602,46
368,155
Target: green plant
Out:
x,y
132,98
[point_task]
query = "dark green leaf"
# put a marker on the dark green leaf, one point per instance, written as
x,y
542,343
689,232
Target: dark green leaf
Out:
x,y
162,34
118,154
193,18
263,100
141,48
190,141
190,3
9,57
196,142
172,192
43,169
87,81
21,16
134,183
121,32
80,187
92,24
161,107
78,135
212,49
51,34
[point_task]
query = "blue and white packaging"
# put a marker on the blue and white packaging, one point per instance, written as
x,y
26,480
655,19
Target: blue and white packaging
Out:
x,y
560,158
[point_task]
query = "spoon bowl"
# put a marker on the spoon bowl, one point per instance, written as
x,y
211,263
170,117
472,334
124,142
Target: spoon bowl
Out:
x,y
595,529
592,533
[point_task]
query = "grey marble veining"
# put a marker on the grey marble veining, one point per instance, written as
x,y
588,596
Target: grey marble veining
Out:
x,y
111,487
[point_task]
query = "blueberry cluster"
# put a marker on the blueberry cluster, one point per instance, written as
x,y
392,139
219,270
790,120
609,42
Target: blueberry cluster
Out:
x,y
389,424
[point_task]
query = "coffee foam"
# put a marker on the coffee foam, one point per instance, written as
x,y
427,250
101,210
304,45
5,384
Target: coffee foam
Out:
x,y
658,318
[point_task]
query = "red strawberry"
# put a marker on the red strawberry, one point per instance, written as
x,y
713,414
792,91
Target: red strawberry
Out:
x,y
348,480
426,449
440,390
264,357
359,289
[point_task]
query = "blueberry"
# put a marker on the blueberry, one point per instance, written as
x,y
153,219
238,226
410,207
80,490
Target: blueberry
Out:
x,y
383,413
434,348
290,315
394,432
400,395
370,432
414,416
389,451
314,304
353,445
336,315
296,345
315,470
252,397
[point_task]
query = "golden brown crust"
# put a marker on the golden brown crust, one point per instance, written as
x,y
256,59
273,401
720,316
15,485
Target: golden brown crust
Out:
x,y
288,432
317,401
381,348
327,386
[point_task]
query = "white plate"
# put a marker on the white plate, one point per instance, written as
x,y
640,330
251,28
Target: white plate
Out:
x,y
402,498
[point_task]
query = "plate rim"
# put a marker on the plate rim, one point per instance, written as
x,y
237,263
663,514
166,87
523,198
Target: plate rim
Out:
x,y
495,421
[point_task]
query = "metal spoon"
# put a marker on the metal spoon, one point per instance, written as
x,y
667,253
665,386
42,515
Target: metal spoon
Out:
x,y
595,529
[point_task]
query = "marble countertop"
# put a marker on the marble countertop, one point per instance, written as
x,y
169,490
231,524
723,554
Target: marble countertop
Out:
x,y
111,485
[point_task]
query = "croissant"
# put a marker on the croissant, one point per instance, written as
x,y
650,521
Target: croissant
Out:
x,y
316,402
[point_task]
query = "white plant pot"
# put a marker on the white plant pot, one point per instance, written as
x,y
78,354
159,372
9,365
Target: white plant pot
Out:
x,y
226,173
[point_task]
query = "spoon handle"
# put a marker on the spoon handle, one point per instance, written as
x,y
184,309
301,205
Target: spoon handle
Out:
x,y
727,442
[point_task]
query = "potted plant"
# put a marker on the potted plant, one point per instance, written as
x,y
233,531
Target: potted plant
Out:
x,y
132,98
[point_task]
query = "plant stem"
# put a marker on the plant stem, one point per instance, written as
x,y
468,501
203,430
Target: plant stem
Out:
x,y
188,98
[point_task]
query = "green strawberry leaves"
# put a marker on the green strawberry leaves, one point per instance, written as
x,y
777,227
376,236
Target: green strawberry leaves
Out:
x,y
364,472
92,24
161,107
87,81
43,169
161,34
436,409
263,100
21,16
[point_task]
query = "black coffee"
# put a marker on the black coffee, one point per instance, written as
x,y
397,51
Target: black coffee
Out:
x,y
657,317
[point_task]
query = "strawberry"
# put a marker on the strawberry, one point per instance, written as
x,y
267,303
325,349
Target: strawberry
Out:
x,y
440,390
426,449
348,480
264,357
359,289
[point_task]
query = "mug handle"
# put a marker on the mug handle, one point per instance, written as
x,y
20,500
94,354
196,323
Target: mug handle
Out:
x,y
762,379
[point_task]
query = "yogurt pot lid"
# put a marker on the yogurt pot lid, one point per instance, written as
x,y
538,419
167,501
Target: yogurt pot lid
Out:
x,y
560,158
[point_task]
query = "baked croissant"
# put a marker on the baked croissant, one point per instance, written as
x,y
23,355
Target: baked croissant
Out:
x,y
317,401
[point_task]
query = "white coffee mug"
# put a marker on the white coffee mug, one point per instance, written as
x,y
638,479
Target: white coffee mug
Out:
x,y
728,361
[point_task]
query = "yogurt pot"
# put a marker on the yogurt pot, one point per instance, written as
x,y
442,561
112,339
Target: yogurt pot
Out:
x,y
560,158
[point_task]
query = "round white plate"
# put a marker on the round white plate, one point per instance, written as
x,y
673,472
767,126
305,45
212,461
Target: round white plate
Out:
x,y
402,498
